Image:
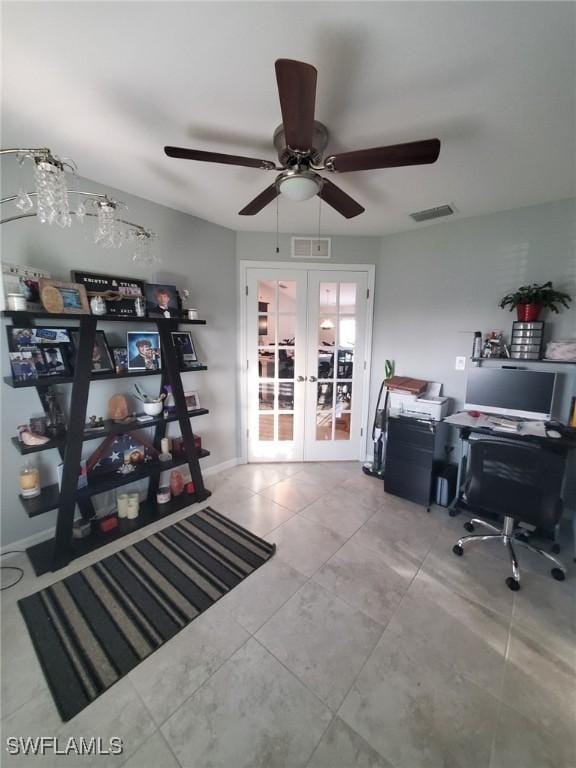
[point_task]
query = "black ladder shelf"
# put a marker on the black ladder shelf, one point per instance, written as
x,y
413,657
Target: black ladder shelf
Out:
x,y
55,553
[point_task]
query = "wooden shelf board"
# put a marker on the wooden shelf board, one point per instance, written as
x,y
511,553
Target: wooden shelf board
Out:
x,y
49,498
52,380
40,555
521,361
110,427
105,318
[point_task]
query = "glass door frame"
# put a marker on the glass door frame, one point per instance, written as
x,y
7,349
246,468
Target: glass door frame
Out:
x,y
244,266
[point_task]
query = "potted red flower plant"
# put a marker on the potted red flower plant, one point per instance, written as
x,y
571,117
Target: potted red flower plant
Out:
x,y
530,300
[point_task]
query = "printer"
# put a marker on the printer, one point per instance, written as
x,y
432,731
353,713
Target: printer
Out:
x,y
427,405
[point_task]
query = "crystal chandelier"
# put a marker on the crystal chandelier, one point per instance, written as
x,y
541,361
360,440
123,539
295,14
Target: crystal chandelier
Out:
x,y
53,206
51,188
144,251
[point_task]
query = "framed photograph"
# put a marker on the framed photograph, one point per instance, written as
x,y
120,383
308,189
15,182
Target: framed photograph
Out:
x,y
161,300
118,292
16,278
101,357
572,419
184,347
51,360
63,298
23,366
143,350
192,400
120,357
21,338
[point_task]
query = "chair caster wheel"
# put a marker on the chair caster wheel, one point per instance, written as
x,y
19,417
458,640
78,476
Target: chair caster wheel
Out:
x,y
452,512
469,527
558,574
555,549
457,549
512,584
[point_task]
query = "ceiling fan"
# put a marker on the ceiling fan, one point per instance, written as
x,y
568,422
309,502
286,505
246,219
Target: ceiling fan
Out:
x,y
300,142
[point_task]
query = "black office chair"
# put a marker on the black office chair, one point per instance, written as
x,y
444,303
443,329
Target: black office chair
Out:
x,y
519,481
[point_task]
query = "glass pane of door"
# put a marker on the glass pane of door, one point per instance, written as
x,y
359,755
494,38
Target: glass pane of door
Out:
x,y
276,312
336,339
337,320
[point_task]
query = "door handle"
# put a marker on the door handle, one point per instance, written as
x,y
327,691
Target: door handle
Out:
x,y
312,378
300,378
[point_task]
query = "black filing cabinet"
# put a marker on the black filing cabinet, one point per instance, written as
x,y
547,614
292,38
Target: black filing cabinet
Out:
x,y
412,445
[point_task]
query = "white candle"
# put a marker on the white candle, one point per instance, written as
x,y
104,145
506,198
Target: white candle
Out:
x,y
122,503
133,506
165,445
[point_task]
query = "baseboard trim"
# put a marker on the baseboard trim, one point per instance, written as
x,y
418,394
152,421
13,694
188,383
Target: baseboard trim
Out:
x,y
221,467
48,533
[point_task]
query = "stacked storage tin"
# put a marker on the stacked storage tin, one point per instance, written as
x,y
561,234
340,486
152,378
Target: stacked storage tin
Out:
x,y
526,341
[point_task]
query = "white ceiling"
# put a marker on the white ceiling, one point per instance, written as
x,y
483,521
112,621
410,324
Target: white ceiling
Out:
x,y
109,84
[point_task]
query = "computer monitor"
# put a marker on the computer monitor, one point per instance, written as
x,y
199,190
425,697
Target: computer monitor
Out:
x,y
510,392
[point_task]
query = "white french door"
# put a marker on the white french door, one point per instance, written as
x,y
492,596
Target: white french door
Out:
x,y
276,363
306,351
337,316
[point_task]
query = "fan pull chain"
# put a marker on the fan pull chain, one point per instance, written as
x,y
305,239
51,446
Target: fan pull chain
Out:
x,y
319,223
277,219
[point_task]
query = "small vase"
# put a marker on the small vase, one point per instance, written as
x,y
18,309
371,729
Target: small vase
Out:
x,y
528,313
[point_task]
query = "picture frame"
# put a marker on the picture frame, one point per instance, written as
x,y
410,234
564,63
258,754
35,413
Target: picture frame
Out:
x,y
144,353
161,300
120,358
40,362
22,338
102,361
184,347
63,298
192,400
119,293
51,360
23,366
17,278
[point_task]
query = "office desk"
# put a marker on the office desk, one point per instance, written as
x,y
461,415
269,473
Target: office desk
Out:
x,y
468,425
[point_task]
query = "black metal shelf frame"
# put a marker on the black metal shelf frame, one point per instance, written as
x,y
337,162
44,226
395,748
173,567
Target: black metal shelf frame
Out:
x,y
59,551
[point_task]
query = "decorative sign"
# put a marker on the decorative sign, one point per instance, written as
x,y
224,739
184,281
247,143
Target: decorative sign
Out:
x,y
119,293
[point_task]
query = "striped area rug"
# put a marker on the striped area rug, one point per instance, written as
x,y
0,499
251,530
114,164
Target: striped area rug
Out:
x,y
92,628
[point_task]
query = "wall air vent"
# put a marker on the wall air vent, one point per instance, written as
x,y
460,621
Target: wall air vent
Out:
x,y
311,247
433,213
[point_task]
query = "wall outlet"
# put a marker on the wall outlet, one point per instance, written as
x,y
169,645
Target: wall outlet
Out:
x,y
460,363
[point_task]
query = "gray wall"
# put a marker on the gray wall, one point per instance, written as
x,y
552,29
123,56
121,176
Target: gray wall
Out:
x,y
436,285
197,255
261,246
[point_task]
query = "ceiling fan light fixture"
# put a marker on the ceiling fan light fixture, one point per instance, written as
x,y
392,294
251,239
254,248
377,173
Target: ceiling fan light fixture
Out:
x,y
299,185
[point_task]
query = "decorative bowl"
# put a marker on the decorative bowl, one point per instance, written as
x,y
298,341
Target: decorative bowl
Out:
x,y
154,408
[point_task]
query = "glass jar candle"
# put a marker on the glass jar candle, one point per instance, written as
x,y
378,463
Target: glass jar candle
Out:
x,y
29,482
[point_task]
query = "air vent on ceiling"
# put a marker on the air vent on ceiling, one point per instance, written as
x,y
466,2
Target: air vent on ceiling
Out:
x,y
433,213
311,247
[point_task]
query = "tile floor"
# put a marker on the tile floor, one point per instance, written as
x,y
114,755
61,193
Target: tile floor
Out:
x,y
364,643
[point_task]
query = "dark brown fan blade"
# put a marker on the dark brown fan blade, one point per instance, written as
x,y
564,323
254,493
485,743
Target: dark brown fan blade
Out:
x,y
339,200
256,205
217,157
413,153
297,90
